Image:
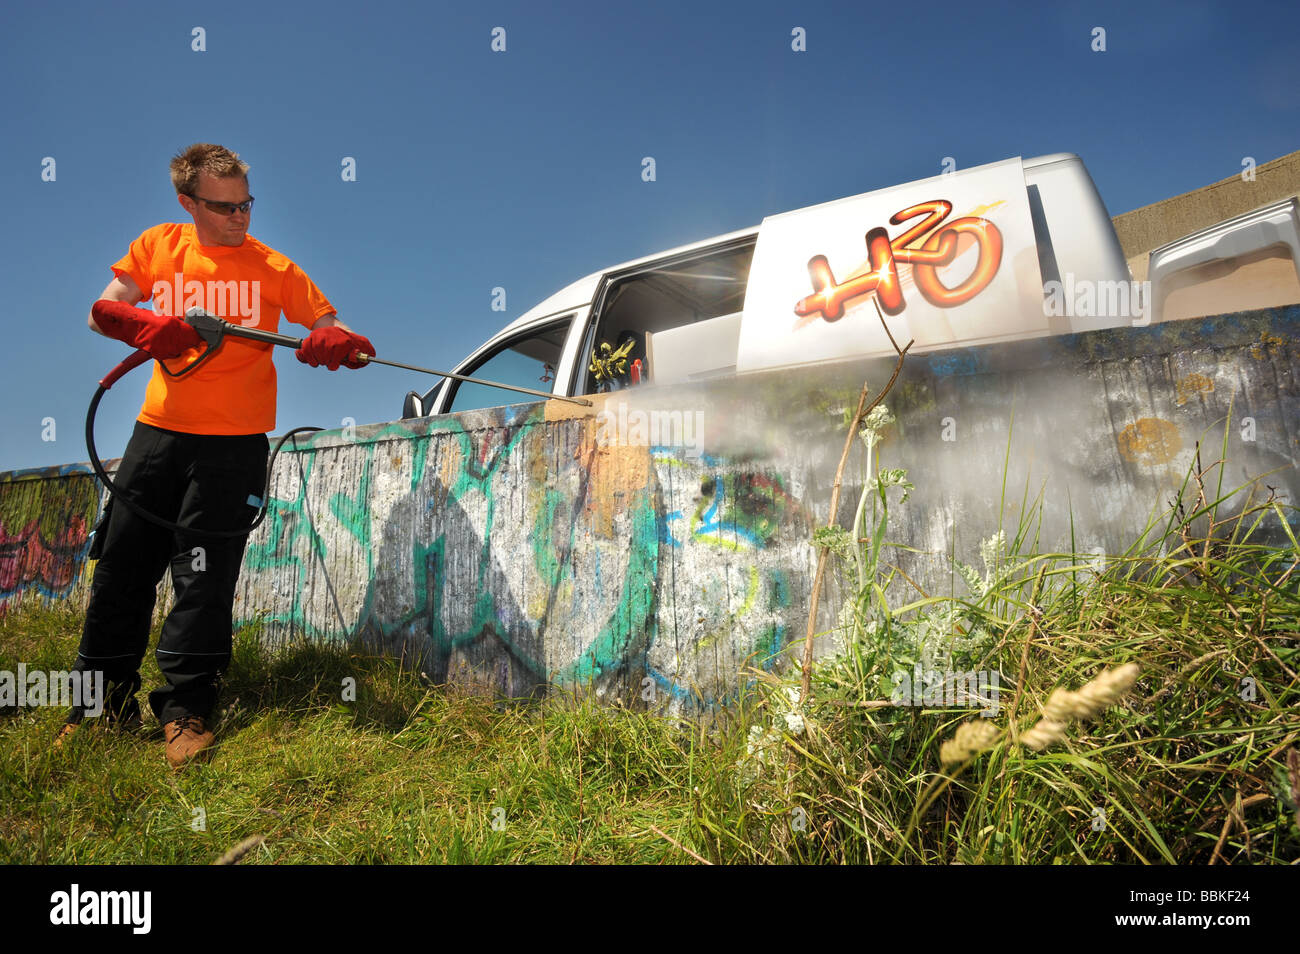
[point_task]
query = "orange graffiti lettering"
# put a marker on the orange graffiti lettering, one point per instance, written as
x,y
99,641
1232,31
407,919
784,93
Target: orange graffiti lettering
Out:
x,y
939,249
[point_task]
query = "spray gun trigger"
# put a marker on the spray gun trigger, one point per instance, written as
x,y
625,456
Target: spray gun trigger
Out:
x,y
209,326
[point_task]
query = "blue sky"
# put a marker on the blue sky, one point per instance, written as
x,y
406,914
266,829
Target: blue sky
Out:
x,y
522,169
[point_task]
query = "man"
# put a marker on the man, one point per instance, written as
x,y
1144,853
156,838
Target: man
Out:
x,y
197,456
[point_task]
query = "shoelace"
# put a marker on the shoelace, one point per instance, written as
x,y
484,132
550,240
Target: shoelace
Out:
x,y
187,722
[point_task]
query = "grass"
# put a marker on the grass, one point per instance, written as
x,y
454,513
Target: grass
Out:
x,y
1200,763
404,774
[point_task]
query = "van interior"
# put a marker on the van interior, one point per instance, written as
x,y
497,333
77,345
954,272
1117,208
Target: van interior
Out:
x,y
682,318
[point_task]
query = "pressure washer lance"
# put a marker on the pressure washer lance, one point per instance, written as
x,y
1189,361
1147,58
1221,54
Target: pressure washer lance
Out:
x,y
213,330
206,325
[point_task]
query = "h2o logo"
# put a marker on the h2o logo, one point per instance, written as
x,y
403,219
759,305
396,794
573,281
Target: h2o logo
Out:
x,y
939,249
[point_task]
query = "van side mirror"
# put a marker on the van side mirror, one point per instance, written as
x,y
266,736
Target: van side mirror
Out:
x,y
412,405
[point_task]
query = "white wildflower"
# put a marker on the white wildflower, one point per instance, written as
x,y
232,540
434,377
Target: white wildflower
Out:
x,y
879,417
990,550
873,423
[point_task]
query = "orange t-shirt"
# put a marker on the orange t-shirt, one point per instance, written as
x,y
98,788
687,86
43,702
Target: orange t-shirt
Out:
x,y
233,392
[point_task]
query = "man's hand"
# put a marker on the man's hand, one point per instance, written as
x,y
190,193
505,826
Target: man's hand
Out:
x,y
161,335
333,346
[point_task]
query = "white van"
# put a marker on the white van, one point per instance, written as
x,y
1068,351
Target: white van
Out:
x,y
970,257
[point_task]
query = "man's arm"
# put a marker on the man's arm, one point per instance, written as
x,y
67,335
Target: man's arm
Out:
x,y
330,321
161,335
121,288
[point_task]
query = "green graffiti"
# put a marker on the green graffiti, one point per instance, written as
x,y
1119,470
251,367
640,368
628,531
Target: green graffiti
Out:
x,y
353,513
631,627
417,465
741,510
286,522
542,537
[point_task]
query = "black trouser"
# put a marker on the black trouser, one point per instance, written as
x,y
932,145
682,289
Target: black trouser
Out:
x,y
212,482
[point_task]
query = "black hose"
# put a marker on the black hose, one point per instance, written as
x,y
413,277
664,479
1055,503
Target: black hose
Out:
x,y
144,514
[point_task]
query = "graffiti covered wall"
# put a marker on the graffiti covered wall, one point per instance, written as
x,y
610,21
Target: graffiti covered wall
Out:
x,y
662,537
46,516
512,550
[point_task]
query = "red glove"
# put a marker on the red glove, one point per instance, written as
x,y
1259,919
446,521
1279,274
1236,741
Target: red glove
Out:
x,y
333,346
161,335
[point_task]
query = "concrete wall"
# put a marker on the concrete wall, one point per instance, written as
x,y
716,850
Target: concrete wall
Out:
x,y
518,547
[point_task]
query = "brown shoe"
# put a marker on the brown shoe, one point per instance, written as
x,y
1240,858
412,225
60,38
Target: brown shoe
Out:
x,y
186,737
121,711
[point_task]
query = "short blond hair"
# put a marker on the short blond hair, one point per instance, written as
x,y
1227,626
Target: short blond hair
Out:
x,y
216,161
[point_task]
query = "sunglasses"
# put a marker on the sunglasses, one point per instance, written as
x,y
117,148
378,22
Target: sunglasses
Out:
x,y
225,208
